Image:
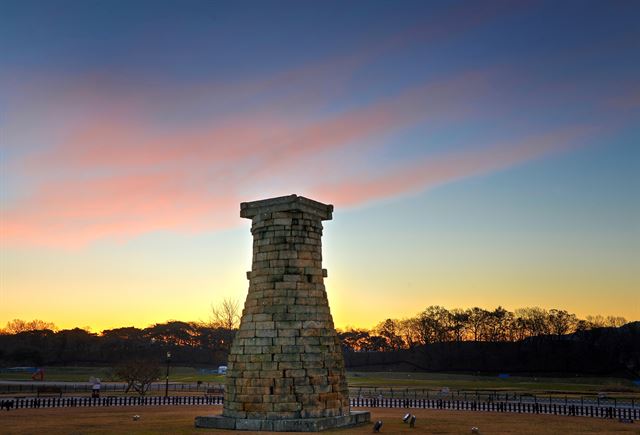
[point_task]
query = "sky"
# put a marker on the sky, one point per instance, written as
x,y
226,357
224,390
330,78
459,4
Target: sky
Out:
x,y
477,153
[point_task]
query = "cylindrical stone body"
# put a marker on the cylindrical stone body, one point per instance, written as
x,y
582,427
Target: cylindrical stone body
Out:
x,y
286,359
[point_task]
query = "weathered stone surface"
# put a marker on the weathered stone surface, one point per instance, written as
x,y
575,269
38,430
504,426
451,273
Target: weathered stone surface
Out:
x,y
276,424
216,421
293,206
285,367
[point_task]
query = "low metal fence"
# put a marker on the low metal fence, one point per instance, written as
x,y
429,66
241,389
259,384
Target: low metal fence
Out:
x,y
75,402
593,411
497,406
496,396
175,388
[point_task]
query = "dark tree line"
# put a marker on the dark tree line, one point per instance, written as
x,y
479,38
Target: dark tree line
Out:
x,y
525,340
188,342
437,324
599,351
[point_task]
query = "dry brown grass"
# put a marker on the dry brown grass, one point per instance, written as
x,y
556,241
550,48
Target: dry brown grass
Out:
x,y
179,420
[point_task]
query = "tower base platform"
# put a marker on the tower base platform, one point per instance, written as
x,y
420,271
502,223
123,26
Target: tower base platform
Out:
x,y
295,425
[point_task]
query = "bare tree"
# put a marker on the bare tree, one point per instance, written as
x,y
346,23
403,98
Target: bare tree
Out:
x,y
536,320
433,325
497,324
408,332
139,374
596,321
17,326
226,315
562,322
477,319
599,321
389,330
356,340
616,321
459,323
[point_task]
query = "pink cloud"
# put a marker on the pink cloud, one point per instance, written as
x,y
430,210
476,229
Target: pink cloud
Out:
x,y
71,214
445,168
74,212
120,171
118,178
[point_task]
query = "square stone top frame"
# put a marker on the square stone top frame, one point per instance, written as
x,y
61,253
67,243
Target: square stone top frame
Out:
x,y
292,203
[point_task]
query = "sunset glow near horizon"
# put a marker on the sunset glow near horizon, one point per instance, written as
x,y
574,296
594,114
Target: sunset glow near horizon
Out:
x,y
477,154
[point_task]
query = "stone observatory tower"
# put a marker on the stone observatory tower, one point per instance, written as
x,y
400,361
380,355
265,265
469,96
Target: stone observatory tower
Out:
x,y
285,369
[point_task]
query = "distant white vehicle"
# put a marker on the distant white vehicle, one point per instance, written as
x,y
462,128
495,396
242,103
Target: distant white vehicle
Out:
x,y
222,370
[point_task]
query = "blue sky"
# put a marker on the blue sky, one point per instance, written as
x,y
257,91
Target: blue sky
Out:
x,y
477,153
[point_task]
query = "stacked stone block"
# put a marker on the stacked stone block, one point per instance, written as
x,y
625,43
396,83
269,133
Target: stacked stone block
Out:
x,y
285,368
286,360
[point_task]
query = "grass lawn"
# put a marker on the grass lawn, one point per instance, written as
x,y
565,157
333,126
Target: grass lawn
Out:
x,y
577,385
538,385
82,374
180,420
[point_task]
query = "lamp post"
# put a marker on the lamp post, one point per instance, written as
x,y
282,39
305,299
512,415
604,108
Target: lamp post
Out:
x,y
166,385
